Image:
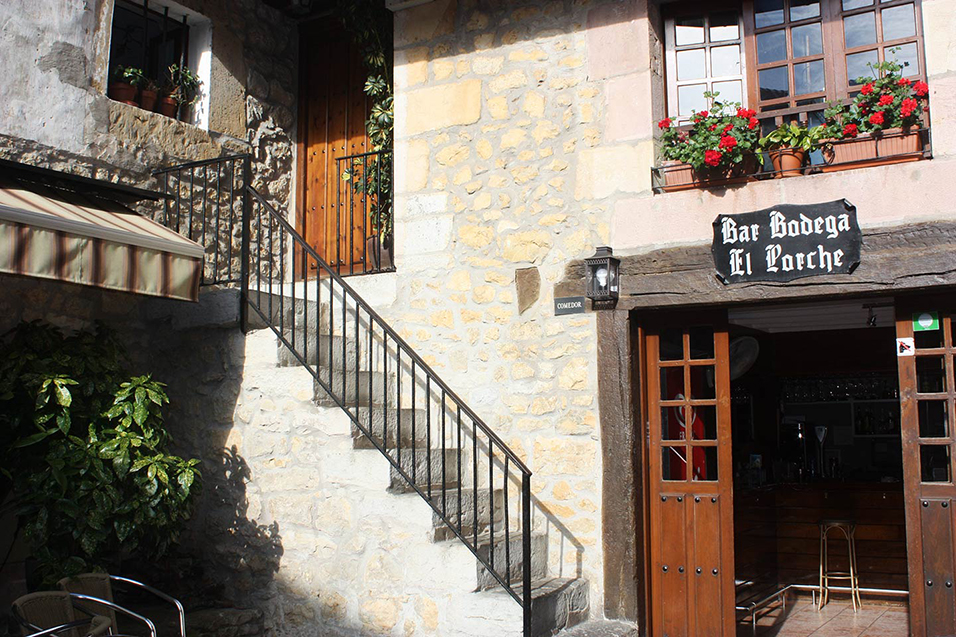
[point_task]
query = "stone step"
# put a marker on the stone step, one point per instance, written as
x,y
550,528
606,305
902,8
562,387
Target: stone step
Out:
x,y
379,431
490,511
284,311
321,350
363,388
601,628
422,459
539,557
558,603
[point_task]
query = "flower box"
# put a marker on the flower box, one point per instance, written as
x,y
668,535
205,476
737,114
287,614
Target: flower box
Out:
x,y
890,147
677,176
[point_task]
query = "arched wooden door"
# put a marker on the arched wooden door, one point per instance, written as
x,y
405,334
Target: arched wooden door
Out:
x,y
926,351
691,550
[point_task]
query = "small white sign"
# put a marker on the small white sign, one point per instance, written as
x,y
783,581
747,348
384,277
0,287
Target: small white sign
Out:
x,y
905,346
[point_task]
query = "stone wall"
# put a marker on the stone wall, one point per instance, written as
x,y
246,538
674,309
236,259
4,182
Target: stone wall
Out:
x,y
57,112
515,124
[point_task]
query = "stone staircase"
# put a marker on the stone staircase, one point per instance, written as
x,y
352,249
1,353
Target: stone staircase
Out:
x,y
432,569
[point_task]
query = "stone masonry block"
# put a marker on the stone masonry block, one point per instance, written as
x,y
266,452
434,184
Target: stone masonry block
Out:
x,y
438,107
606,170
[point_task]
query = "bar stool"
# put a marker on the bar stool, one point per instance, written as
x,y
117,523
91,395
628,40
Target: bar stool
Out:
x,y
848,528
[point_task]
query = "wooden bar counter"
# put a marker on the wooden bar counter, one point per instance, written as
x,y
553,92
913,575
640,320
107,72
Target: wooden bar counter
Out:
x,y
777,537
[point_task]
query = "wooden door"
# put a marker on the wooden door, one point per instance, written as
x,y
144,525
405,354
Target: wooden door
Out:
x,y
690,480
333,111
927,392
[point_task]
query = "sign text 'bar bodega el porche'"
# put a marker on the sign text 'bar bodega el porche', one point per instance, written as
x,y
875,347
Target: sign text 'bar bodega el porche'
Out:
x,y
787,242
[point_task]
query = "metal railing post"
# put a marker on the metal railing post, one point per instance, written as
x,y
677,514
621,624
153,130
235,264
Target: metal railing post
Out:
x,y
244,251
526,551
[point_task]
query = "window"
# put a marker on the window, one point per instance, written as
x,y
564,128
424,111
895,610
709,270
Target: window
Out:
x,y
706,56
785,54
150,35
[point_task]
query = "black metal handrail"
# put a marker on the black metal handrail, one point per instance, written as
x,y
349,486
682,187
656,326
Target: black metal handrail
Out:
x,y
446,454
363,214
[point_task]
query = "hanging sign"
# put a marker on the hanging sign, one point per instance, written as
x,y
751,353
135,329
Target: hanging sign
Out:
x,y
569,305
925,321
787,242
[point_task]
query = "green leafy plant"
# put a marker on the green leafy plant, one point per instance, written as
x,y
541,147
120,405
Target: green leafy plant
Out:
x,y
886,100
129,74
182,84
793,135
84,451
370,25
716,139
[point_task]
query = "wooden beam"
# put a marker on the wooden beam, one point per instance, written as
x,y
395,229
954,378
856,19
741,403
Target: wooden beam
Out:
x,y
894,259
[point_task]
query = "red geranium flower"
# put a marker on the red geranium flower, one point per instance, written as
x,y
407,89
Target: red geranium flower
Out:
x,y
728,128
921,89
712,127
745,113
753,123
712,157
908,106
877,118
850,130
728,142
867,89
886,100
664,123
904,82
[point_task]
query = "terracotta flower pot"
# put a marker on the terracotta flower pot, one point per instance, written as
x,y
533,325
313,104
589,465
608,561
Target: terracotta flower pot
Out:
x,y
788,162
122,92
147,100
379,253
676,176
167,106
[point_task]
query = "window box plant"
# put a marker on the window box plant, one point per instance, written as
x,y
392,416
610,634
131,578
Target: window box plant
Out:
x,y
180,88
788,147
881,125
717,148
124,85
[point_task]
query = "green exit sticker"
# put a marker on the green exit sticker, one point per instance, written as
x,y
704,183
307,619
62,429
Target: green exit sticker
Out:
x,y
925,321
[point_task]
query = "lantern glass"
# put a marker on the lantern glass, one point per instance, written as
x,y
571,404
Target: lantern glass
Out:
x,y
602,275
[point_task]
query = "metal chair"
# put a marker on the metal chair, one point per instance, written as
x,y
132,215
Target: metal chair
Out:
x,y
100,587
848,528
53,614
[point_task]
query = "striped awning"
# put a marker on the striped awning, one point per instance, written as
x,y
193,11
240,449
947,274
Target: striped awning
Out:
x,y
91,240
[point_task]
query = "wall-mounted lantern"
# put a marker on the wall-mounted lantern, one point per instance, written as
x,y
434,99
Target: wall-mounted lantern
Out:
x,y
603,275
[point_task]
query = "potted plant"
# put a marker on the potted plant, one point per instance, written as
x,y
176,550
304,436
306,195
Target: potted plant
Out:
x,y
148,92
788,146
182,87
882,123
122,88
716,148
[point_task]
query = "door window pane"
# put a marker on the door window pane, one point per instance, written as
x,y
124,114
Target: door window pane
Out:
x,y
856,4
702,382
672,383
689,31
725,60
933,418
672,341
701,343
768,12
730,91
928,339
674,463
858,66
807,40
705,464
672,423
906,56
774,83
930,375
899,22
771,46
809,77
724,26
691,65
705,423
859,29
934,463
804,9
